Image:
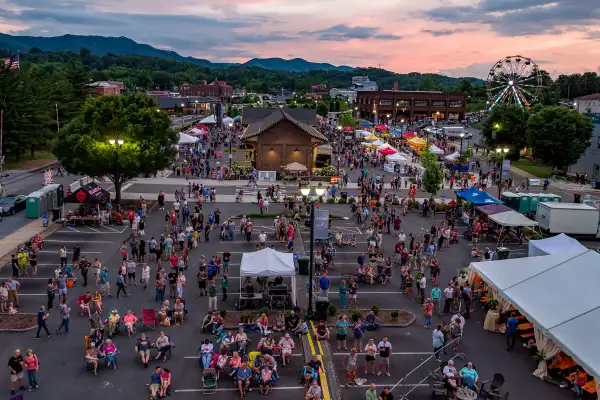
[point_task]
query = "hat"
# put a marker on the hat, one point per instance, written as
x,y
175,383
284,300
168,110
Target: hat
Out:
x,y
114,311
287,335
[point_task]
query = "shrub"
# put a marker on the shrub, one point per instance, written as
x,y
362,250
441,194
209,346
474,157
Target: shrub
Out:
x,y
351,200
223,312
394,315
413,204
356,315
331,310
412,180
226,150
342,200
304,199
234,150
330,200
264,310
375,309
440,207
244,317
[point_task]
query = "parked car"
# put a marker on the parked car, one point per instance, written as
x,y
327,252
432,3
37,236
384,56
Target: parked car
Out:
x,y
12,204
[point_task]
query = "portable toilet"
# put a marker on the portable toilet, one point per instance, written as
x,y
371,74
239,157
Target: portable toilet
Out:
x,y
543,197
33,206
554,198
534,199
524,203
511,199
60,195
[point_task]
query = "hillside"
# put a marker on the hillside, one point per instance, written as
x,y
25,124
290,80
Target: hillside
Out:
x,y
102,45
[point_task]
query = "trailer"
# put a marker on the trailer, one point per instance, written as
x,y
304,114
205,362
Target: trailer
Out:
x,y
568,218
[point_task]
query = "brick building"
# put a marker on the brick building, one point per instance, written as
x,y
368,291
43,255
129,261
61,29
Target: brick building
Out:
x,y
397,104
107,88
216,89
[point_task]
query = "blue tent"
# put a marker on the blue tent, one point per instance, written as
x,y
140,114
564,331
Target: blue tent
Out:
x,y
366,123
477,197
395,132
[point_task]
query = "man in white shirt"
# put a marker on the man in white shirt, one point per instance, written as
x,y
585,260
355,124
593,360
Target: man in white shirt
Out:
x,y
176,207
422,287
262,239
402,237
459,316
448,293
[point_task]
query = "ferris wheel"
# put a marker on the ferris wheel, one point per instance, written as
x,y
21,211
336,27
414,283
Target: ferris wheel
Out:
x,y
514,80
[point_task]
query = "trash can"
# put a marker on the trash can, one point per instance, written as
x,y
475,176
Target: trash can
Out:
x,y
576,197
344,195
502,253
303,265
321,306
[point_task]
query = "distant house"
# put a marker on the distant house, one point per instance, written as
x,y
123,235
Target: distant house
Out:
x,y
107,88
281,136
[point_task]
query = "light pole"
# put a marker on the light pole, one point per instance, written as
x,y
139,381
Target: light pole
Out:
x,y
182,105
502,154
196,110
230,146
319,190
462,136
338,164
117,144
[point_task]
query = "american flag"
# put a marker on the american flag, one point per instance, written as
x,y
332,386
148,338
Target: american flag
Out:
x,y
12,62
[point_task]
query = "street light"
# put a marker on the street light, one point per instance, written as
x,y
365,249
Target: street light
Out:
x,y
502,154
339,127
319,190
497,126
196,110
117,144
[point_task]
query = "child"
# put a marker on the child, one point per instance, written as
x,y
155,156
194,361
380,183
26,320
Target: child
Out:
x,y
11,309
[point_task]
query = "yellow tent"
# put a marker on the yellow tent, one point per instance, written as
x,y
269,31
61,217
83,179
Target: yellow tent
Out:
x,y
372,137
417,140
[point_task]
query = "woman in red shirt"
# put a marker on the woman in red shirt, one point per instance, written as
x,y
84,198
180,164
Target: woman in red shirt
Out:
x,y
31,364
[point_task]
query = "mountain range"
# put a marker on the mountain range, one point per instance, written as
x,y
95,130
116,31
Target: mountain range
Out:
x,y
101,45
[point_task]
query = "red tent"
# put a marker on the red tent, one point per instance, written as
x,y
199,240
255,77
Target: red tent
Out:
x,y
381,127
202,127
348,129
409,134
387,151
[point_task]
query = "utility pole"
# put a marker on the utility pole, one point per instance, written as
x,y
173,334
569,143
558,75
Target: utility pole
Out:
x,y
57,121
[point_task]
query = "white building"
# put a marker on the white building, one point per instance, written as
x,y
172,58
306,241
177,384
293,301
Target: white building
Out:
x,y
590,160
367,86
348,94
359,79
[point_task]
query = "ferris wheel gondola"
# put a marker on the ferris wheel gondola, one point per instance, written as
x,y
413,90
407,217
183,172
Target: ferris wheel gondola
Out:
x,y
514,80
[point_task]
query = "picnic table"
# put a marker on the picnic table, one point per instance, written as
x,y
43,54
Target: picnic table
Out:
x,y
526,326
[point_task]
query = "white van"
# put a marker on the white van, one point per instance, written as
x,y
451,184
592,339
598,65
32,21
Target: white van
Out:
x,y
455,131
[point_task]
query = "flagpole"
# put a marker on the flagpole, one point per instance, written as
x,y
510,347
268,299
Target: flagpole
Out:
x,y
57,122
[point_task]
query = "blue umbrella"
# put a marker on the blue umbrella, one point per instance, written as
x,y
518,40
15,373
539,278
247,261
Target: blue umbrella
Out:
x,y
366,123
396,132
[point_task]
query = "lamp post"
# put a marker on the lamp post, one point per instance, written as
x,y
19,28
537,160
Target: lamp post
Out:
x,y
196,110
182,105
502,154
338,164
230,146
117,144
462,136
319,190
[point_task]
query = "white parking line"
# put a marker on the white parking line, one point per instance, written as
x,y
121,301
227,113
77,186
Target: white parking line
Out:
x,y
422,353
28,278
32,294
75,241
274,355
83,252
235,389
387,384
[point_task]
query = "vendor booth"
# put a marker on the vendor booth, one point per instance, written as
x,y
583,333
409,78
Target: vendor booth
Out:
x,y
560,244
90,197
366,123
268,263
556,294
512,219
187,139
477,197
227,121
211,119
435,150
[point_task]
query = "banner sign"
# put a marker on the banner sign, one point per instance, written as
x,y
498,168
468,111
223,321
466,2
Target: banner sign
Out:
x,y
321,224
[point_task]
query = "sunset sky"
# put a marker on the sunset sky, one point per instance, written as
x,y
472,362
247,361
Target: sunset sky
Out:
x,y
456,37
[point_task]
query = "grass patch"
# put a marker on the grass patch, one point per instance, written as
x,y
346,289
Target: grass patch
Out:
x,y
26,161
529,166
478,125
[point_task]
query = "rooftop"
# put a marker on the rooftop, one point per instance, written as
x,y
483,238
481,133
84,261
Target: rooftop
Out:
x,y
595,96
274,116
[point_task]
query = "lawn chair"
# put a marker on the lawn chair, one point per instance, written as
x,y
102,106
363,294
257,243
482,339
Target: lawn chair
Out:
x,y
149,318
347,272
209,381
79,303
493,390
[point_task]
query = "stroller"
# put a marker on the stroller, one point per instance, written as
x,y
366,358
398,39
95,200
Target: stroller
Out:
x,y
209,381
454,236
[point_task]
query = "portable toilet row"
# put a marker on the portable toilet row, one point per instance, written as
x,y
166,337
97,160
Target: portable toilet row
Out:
x,y
44,200
527,202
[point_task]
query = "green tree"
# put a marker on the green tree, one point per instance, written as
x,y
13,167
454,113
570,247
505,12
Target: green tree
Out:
x,y
506,125
559,135
465,87
322,109
428,83
433,175
346,119
148,142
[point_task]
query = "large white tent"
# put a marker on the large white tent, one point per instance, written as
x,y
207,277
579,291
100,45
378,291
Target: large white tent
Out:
x,y
227,120
268,262
512,218
435,150
396,158
453,157
211,119
187,139
558,294
197,131
560,244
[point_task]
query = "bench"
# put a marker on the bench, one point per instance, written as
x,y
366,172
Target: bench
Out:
x,y
527,335
526,326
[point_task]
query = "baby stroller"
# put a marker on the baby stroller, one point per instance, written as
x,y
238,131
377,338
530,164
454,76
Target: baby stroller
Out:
x,y
209,381
454,236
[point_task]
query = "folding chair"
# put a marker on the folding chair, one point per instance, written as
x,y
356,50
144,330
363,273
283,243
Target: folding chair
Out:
x,y
347,272
149,318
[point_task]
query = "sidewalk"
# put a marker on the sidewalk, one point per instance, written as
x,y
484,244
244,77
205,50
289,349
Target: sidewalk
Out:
x,y
557,184
11,243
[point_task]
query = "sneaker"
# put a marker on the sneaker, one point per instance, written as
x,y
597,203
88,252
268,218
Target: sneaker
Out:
x,y
12,391
379,373
37,337
387,374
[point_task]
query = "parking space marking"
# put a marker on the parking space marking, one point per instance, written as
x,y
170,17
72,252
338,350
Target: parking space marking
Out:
x,y
32,294
70,229
76,241
416,353
83,252
363,386
236,389
29,278
274,355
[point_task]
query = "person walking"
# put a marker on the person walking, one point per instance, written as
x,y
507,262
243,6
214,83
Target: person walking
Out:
x,y
428,312
121,285
224,285
343,290
448,296
65,317
13,289
511,332
31,364
42,316
437,337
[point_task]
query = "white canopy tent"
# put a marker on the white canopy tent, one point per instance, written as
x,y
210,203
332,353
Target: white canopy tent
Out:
x,y
197,131
396,158
187,139
453,157
435,150
211,119
569,317
268,262
512,218
227,120
561,244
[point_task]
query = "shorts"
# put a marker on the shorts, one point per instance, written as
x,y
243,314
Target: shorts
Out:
x,y
369,358
62,291
341,337
202,284
353,296
131,275
385,360
15,377
144,352
155,387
